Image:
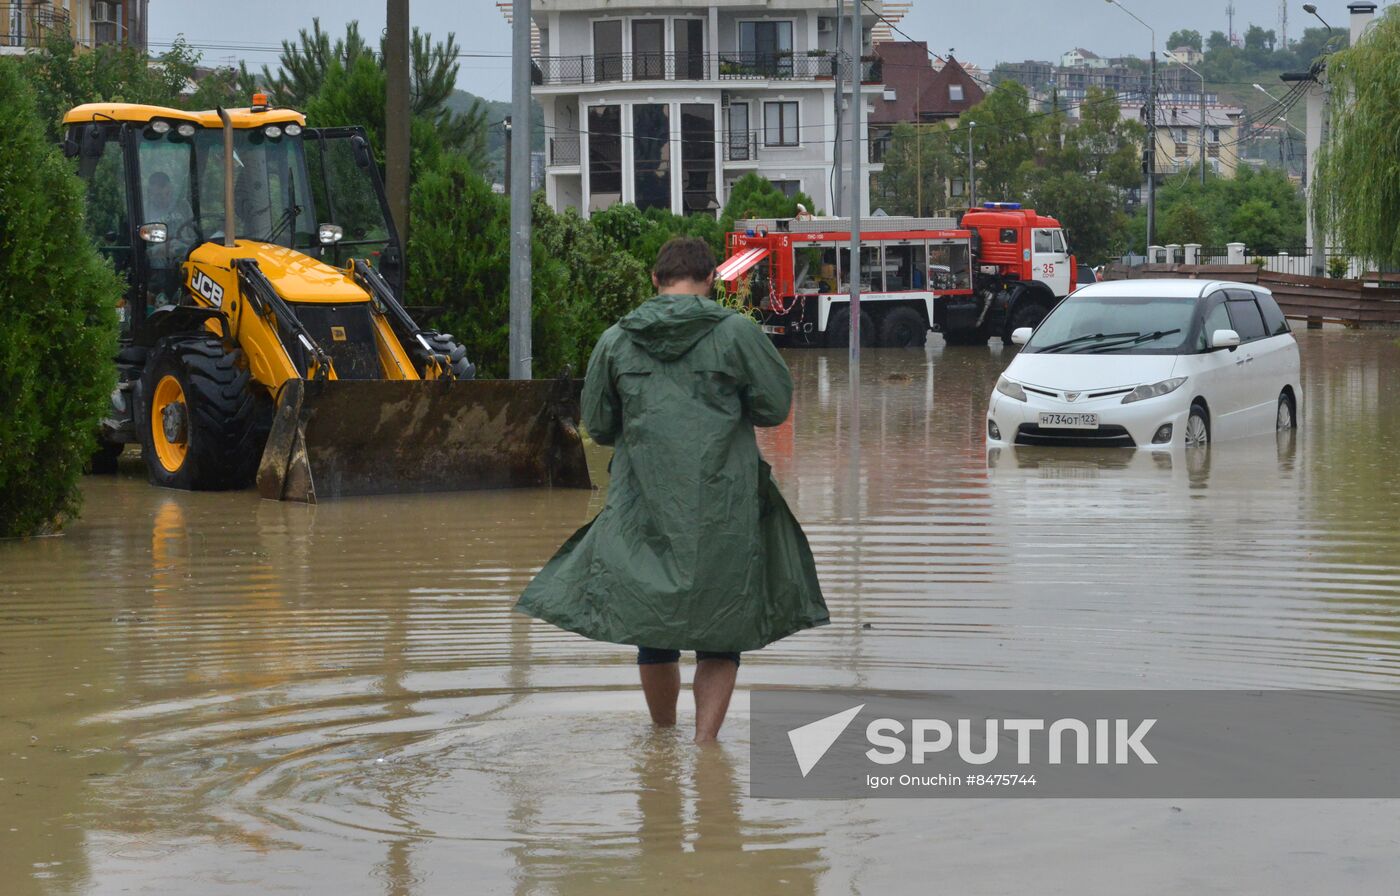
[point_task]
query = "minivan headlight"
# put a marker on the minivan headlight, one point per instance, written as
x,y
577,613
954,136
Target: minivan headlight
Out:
x,y
1154,390
1010,389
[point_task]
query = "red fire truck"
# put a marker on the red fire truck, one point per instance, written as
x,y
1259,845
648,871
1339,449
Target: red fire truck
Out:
x,y
984,274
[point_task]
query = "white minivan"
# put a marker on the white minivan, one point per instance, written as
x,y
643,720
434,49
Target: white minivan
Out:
x,y
1150,363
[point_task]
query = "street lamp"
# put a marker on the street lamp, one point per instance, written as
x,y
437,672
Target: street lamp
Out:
x,y
1151,128
1200,125
1311,10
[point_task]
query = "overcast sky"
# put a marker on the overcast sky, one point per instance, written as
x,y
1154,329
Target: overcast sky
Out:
x,y
985,32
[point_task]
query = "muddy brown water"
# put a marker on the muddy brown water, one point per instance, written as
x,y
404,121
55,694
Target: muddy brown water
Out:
x,y
209,693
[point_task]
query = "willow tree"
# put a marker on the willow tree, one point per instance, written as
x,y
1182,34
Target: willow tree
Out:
x,y
1356,187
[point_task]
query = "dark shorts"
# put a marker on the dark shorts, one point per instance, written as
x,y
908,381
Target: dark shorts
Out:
x,y
647,656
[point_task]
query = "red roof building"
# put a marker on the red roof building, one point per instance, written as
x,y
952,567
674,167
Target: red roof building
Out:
x,y
917,92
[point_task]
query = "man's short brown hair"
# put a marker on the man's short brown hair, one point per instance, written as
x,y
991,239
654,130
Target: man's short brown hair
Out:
x,y
684,258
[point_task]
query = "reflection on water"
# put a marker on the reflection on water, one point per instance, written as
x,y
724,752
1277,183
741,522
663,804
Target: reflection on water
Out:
x,y
212,693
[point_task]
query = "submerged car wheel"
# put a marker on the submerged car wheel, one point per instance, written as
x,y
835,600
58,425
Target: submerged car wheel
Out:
x,y
1197,427
1285,419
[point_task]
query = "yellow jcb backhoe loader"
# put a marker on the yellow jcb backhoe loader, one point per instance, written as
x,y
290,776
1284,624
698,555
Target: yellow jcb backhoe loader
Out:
x,y
263,333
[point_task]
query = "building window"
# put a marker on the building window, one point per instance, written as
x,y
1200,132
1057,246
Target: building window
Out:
x,y
767,46
780,124
1215,135
604,156
698,158
957,186
648,49
690,49
955,93
789,188
607,50
741,140
651,155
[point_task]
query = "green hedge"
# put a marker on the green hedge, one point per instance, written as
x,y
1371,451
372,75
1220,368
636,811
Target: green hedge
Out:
x,y
57,323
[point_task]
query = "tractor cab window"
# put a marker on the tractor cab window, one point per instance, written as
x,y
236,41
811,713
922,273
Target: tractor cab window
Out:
x,y
108,219
271,196
167,196
343,183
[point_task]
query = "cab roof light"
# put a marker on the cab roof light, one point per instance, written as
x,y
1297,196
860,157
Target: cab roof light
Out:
x,y
1009,206
259,103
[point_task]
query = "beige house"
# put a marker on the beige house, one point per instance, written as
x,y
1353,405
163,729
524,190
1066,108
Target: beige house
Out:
x,y
1179,138
24,23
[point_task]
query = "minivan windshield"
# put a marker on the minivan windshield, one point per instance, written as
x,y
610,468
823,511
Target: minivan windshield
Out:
x,y
1103,324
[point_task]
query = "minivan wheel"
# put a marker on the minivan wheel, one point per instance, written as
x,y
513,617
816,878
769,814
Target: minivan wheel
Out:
x,y
1197,427
1285,419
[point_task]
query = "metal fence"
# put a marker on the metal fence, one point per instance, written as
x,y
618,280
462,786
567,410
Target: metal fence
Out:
x,y
564,150
24,24
1354,302
686,66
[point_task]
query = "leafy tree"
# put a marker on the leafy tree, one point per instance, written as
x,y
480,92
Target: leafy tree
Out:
x,y
1185,38
1183,224
583,280
58,324
756,197
1217,41
1262,209
1003,140
62,76
919,162
348,68
1356,189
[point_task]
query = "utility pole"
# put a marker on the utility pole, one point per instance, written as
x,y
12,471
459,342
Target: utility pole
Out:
x,y
856,102
1152,145
505,126
1151,142
519,187
971,169
396,138
836,75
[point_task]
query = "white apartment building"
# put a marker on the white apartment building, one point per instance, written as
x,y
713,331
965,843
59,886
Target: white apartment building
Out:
x,y
667,104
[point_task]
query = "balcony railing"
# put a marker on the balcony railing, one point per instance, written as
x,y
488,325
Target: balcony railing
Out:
x,y
564,150
741,146
683,66
24,24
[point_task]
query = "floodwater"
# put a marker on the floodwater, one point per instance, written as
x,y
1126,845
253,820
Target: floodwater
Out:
x,y
209,693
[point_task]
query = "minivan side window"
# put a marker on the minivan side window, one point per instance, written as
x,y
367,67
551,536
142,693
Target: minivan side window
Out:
x,y
1244,314
1275,324
1216,319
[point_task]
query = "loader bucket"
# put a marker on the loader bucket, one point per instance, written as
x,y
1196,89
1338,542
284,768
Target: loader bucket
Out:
x,y
336,438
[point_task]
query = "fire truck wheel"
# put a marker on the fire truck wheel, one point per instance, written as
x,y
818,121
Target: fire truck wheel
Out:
x,y
838,329
903,328
1027,312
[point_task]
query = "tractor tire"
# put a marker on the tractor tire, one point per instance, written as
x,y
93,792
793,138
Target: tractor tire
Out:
x,y
903,328
201,419
453,353
1027,312
838,329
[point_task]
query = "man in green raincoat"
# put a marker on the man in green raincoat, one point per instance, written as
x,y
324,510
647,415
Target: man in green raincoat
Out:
x,y
695,548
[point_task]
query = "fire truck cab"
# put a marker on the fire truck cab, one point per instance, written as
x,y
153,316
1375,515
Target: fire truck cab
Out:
x,y
998,268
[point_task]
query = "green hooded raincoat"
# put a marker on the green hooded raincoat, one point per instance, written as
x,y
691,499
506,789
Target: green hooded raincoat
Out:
x,y
695,548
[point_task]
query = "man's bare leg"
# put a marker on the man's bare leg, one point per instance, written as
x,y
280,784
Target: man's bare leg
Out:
x,y
661,683
714,685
